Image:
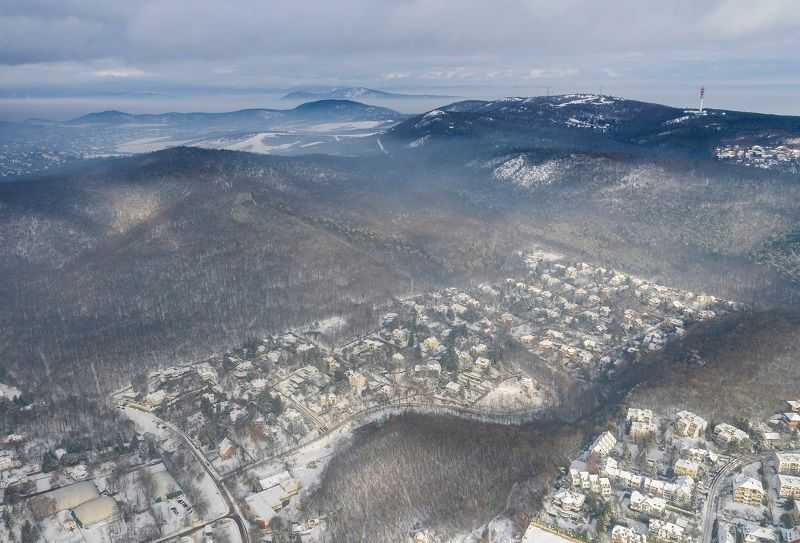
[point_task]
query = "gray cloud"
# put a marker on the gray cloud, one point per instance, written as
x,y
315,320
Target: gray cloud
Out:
x,y
153,43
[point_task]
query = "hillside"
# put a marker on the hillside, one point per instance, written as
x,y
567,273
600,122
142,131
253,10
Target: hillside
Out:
x,y
452,476
590,122
181,252
338,127
132,262
752,359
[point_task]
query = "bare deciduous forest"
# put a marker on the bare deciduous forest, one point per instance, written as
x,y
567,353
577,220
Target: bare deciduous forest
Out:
x,y
744,369
444,473
165,258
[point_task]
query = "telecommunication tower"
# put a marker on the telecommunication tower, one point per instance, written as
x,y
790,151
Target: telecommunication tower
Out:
x,y
702,95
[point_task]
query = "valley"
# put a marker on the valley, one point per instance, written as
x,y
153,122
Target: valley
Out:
x,y
217,340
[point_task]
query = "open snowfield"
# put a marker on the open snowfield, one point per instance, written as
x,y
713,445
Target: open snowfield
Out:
x,y
537,535
256,143
148,145
147,423
346,126
512,395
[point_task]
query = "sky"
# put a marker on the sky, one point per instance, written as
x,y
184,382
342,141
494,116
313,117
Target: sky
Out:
x,y
60,57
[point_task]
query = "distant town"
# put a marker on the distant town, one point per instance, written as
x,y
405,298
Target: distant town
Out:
x,y
783,157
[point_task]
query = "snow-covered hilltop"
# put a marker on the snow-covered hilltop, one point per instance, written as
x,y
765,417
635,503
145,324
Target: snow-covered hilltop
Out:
x,y
592,123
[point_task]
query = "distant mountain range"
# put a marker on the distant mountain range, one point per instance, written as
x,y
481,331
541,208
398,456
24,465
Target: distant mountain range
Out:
x,y
355,93
320,110
339,127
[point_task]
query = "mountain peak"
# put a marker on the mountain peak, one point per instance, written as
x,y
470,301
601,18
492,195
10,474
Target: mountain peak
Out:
x,y
108,116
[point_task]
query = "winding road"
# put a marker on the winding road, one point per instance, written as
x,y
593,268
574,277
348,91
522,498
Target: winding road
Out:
x,y
234,513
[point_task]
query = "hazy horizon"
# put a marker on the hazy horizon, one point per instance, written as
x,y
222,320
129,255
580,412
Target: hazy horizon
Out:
x,y
144,57
768,99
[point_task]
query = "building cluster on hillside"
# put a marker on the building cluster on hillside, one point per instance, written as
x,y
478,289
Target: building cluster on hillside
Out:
x,y
642,480
444,347
784,157
649,479
588,319
757,499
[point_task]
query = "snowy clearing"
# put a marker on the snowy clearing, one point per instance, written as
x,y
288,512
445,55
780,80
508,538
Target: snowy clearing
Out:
x,y
521,172
352,125
513,395
148,145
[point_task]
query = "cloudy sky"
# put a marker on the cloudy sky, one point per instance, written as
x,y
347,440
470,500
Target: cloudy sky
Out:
x,y
184,54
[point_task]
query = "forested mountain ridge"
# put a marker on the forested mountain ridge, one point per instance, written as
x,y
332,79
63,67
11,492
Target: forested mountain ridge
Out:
x,y
319,110
167,256
591,122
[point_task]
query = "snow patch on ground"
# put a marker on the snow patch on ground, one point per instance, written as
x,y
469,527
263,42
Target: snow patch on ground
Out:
x,y
572,121
537,535
256,144
586,99
331,324
419,142
679,120
430,118
148,145
512,395
595,122
8,392
253,144
521,172
352,125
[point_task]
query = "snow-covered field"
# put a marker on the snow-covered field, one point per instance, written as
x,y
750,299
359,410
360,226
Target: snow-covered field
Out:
x,y
346,126
147,423
148,145
256,143
290,139
8,392
586,99
537,535
513,395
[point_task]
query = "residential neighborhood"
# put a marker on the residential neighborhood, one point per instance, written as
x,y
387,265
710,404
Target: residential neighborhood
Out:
x,y
683,482
244,436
